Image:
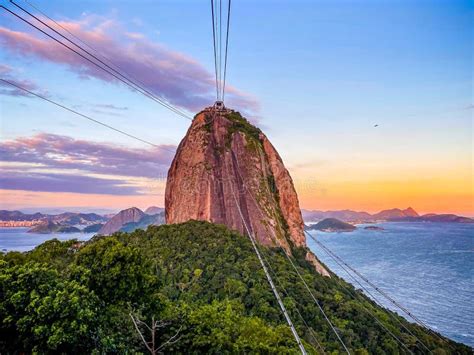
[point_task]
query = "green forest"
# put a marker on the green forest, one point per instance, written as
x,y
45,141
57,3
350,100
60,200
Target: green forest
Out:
x,y
187,288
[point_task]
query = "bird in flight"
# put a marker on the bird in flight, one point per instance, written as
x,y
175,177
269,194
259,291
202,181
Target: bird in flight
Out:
x,y
376,125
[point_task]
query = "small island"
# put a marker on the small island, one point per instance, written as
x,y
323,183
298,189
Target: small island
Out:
x,y
332,225
52,227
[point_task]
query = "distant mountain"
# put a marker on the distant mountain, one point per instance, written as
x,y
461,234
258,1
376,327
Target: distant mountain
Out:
x,y
20,216
67,218
436,218
391,215
394,213
332,225
72,218
120,219
154,210
51,227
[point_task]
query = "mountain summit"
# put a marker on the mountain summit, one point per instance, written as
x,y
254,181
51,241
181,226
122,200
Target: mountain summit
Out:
x,y
226,170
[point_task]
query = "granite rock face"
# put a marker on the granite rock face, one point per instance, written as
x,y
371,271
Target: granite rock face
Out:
x,y
226,171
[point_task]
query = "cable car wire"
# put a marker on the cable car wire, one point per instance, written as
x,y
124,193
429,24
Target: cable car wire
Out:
x,y
84,116
311,330
226,47
220,49
128,82
356,295
339,260
297,272
376,288
119,69
268,276
270,281
214,45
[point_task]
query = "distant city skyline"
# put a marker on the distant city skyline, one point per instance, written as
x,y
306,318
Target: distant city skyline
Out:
x,y
369,103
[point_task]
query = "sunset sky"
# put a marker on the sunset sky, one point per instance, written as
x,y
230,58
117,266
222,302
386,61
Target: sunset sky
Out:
x,y
315,76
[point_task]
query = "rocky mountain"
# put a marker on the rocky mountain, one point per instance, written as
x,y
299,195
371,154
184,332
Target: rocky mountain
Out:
x,y
154,210
226,170
332,225
120,219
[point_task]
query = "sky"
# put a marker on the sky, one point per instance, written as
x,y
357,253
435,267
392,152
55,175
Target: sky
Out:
x,y
315,76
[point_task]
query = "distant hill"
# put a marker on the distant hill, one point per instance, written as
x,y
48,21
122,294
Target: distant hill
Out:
x,y
332,225
391,215
51,227
154,210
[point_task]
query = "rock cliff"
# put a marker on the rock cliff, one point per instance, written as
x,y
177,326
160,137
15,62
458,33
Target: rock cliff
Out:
x,y
226,170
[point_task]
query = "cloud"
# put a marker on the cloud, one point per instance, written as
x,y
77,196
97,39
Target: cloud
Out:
x,y
8,73
65,183
55,163
178,78
61,152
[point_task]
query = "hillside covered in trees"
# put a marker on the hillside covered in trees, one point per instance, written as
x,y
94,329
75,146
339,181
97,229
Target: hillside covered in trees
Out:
x,y
197,287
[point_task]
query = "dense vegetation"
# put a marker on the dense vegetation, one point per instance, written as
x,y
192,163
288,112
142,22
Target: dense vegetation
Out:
x,y
240,124
201,281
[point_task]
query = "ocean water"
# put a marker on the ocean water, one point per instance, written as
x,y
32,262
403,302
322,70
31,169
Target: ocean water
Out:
x,y
17,239
426,267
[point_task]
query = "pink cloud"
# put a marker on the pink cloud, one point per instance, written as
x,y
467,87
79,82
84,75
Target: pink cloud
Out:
x,y
62,152
54,163
178,78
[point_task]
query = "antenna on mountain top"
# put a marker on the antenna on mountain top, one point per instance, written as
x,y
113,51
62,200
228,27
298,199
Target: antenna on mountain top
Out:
x,y
219,106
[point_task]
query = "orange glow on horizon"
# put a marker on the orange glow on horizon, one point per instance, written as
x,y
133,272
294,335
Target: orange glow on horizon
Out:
x,y
372,197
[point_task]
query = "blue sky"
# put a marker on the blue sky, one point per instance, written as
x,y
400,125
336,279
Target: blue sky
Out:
x,y
322,72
